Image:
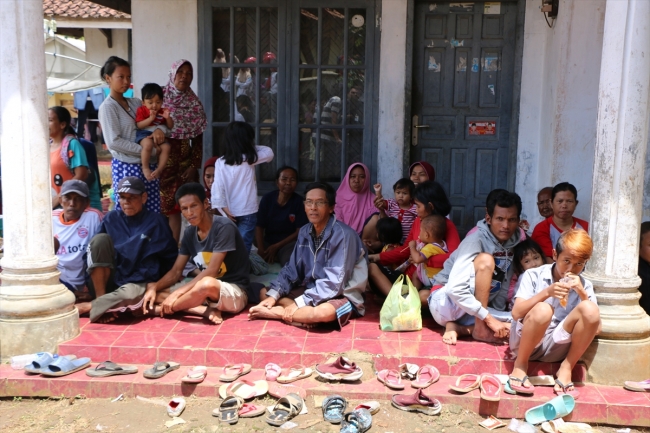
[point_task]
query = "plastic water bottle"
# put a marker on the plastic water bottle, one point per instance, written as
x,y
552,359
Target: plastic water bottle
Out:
x,y
19,362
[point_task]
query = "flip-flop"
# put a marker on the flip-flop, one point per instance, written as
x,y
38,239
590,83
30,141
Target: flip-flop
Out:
x,y
244,389
559,407
160,369
285,409
560,426
195,374
575,393
272,371
357,421
233,372
63,366
370,406
109,368
426,376
521,388
249,410
466,383
278,391
391,378
295,372
490,387
642,386
334,408
228,410
41,362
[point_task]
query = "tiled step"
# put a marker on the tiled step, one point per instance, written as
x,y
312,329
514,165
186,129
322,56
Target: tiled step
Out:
x,y
597,404
192,341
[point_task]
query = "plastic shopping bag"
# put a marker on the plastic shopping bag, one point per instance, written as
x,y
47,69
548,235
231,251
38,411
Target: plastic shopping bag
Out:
x,y
402,309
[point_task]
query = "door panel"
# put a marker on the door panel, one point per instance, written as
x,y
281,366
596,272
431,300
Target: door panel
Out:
x,y
462,89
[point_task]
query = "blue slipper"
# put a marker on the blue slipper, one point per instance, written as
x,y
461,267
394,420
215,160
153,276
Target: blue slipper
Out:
x,y
357,421
63,366
333,408
41,362
557,408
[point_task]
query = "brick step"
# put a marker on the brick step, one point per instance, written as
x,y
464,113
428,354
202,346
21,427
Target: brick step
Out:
x,y
597,404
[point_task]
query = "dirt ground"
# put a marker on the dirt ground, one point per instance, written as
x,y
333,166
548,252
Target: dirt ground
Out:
x,y
132,415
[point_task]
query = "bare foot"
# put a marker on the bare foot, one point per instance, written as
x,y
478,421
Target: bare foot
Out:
x,y
453,331
302,325
213,315
483,333
107,318
520,373
259,312
564,376
84,307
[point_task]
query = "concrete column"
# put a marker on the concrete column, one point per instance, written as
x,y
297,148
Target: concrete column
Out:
x,y
622,350
36,311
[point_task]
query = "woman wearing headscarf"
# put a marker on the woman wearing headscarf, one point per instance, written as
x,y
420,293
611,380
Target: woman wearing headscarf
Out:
x,y
421,171
208,176
354,200
186,139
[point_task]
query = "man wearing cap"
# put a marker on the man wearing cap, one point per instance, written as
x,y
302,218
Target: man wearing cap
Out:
x,y
73,226
134,247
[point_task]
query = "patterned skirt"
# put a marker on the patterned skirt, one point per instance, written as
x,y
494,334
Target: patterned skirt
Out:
x,y
120,170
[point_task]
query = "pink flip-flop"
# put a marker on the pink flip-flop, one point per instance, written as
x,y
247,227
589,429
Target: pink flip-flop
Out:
x,y
195,374
272,371
390,378
642,386
249,410
490,387
232,372
426,376
520,388
466,383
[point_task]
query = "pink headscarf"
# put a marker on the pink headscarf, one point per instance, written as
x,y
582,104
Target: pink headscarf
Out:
x,y
185,107
353,208
431,172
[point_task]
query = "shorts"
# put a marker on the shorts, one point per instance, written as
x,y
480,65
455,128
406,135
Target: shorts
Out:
x,y
444,310
553,347
344,308
232,298
141,134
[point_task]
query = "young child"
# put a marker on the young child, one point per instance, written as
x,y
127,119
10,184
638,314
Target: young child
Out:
x,y
401,207
545,330
433,230
149,117
527,255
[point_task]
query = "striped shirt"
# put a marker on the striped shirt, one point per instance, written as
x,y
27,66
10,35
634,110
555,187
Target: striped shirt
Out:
x,y
405,216
118,128
332,106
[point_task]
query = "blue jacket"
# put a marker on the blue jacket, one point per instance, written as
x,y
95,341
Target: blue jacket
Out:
x,y
145,249
337,268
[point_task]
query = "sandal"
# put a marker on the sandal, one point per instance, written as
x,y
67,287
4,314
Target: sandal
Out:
x,y
285,409
426,376
109,368
42,360
176,406
642,386
296,372
63,366
573,393
390,378
357,421
466,383
250,410
195,374
233,372
228,410
370,406
244,389
334,408
160,369
490,387
521,388
272,371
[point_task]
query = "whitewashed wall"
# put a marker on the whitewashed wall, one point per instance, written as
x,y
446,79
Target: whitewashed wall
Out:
x,y
97,50
163,32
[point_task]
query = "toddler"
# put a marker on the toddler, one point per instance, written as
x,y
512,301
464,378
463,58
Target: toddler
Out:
x,y
149,117
433,230
389,233
527,255
401,207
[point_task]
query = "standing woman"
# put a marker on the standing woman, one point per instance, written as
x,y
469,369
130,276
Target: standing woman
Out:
x,y
234,191
186,140
68,159
117,118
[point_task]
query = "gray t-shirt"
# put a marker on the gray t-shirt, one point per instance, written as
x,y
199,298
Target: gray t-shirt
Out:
x,y
223,237
535,280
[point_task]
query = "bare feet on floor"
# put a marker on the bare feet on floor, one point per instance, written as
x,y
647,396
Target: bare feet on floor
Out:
x,y
484,333
84,308
260,312
107,318
453,331
213,315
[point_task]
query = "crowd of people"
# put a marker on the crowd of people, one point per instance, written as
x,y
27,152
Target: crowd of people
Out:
x,y
499,284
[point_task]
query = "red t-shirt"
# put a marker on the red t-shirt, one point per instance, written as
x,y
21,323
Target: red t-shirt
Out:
x,y
546,233
143,114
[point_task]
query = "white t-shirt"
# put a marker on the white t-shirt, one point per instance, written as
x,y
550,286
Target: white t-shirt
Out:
x,y
235,186
73,239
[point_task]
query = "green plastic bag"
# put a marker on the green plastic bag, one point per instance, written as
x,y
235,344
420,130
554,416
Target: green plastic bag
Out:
x,y
402,308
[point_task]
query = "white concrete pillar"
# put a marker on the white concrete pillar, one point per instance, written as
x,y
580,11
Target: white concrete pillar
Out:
x,y
622,133
36,311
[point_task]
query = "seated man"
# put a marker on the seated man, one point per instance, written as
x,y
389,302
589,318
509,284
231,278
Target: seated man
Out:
x,y
73,226
134,247
555,316
327,274
214,245
473,285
